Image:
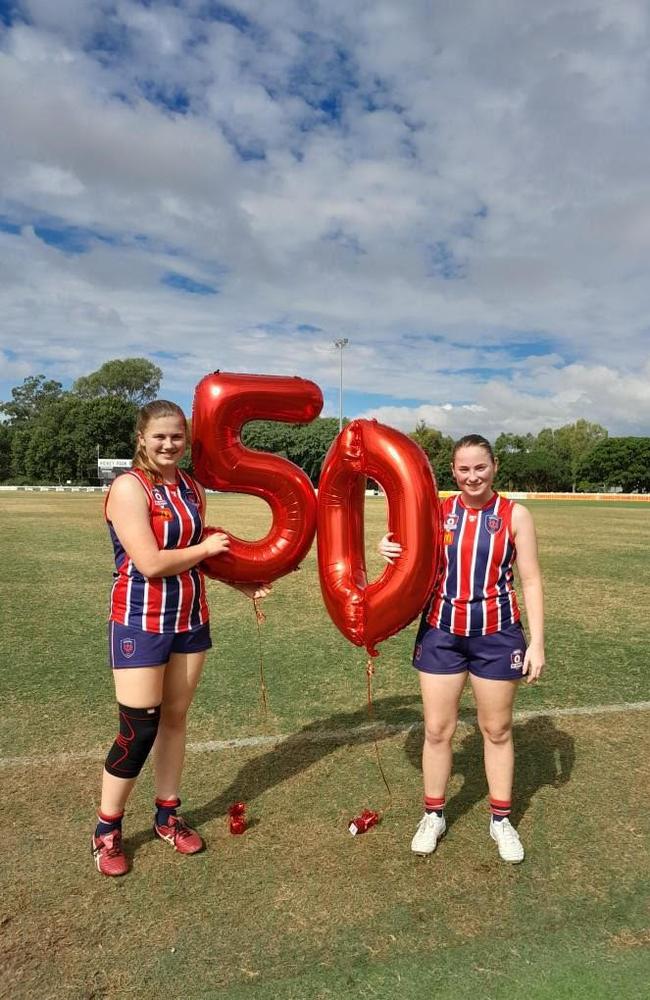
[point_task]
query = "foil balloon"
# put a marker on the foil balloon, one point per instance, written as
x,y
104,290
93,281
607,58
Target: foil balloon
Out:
x,y
367,613
223,403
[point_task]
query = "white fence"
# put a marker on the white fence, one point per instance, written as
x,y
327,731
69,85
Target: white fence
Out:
x,y
607,497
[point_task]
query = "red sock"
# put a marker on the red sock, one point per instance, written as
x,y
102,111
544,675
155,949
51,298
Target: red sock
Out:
x,y
500,809
432,804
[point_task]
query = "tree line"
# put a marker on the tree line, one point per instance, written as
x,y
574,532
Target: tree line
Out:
x,y
54,436
579,457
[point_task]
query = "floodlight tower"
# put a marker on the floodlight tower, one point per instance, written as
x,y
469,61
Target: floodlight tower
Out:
x,y
340,344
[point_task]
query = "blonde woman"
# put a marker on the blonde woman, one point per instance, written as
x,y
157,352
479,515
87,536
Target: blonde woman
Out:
x,y
159,629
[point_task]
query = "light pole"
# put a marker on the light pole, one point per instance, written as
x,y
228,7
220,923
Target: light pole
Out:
x,y
340,344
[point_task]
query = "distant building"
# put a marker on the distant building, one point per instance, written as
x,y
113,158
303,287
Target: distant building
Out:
x,y
109,468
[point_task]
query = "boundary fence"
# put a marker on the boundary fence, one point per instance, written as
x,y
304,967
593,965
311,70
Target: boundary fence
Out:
x,y
512,495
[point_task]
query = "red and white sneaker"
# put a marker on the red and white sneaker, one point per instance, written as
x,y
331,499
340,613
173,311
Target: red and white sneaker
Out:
x,y
183,838
107,851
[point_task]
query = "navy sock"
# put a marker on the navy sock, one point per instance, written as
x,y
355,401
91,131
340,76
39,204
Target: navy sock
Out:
x,y
106,824
164,809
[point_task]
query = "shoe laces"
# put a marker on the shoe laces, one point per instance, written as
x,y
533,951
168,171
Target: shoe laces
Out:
x,y
508,831
179,827
112,844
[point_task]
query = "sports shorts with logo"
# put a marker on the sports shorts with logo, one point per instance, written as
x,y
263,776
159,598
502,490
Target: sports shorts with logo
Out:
x,y
133,647
498,656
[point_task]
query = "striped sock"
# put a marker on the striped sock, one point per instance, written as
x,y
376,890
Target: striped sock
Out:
x,y
164,809
434,805
500,809
107,823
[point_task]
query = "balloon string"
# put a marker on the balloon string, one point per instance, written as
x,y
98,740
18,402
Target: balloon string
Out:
x,y
370,669
260,618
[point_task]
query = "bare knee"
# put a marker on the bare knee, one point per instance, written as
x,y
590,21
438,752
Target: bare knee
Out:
x,y
497,733
439,733
173,716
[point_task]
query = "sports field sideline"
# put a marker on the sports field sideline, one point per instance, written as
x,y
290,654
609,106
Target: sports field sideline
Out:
x,y
297,908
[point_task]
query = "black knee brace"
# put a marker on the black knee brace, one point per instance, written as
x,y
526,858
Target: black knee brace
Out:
x,y
138,728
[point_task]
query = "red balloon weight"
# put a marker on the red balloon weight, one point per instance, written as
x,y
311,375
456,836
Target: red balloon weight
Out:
x,y
367,613
223,403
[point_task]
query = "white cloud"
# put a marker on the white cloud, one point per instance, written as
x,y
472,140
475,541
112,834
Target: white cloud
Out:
x,y
460,189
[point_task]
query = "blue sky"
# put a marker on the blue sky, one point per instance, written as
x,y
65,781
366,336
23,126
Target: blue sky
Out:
x,y
461,190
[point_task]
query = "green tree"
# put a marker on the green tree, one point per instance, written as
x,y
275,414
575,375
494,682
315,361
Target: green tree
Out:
x,y
304,444
576,441
5,451
30,399
617,463
529,462
438,449
135,380
63,443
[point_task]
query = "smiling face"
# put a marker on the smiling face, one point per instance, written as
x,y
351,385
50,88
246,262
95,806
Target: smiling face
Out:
x,y
164,441
474,470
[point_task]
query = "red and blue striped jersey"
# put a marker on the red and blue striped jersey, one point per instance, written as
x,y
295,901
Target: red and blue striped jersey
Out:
x,y
474,593
164,603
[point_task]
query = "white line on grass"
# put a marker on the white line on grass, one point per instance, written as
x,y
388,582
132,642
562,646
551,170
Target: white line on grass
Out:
x,y
331,735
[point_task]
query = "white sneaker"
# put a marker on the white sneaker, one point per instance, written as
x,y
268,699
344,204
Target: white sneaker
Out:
x,y
507,840
430,829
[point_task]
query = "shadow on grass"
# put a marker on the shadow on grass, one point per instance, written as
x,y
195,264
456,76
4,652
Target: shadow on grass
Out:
x,y
299,752
545,755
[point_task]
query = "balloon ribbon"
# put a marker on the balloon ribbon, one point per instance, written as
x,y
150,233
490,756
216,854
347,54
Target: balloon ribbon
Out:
x,y
370,669
260,618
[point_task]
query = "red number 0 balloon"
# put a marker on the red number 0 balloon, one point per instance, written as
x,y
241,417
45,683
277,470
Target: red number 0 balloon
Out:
x,y
368,613
223,403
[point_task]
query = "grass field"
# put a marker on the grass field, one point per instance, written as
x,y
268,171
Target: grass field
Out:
x,y
297,908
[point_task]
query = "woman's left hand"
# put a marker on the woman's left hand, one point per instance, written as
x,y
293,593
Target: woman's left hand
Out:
x,y
533,662
256,591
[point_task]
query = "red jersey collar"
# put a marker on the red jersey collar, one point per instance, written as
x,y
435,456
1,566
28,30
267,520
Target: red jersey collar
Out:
x,y
485,505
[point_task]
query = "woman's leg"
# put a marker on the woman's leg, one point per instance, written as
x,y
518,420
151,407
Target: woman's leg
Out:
x,y
440,696
137,687
494,702
182,675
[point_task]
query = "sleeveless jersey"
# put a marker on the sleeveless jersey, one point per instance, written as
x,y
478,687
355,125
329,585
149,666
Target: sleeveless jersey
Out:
x,y
165,603
474,593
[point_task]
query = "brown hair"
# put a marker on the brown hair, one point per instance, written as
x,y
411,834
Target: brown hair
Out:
x,y
152,411
472,441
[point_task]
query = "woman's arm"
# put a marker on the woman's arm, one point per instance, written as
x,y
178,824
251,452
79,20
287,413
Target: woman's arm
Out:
x,y
128,512
530,575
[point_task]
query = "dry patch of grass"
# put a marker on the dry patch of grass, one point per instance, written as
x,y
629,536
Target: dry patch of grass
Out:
x,y
297,891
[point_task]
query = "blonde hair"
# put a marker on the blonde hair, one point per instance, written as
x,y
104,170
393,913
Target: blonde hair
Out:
x,y
152,411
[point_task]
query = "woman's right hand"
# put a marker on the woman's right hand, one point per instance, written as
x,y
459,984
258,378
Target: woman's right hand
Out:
x,y
390,550
215,543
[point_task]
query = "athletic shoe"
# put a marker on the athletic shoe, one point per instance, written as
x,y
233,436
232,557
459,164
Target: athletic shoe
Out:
x,y
108,854
177,833
507,839
430,829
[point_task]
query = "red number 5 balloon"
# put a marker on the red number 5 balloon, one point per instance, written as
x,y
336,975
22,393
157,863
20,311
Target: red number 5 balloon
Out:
x,y
223,403
366,613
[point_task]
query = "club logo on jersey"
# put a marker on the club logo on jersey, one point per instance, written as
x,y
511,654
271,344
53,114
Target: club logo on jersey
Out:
x,y
127,648
451,522
165,513
191,497
159,498
493,524
516,659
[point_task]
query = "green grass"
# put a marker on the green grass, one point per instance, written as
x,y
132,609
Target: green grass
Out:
x,y
297,908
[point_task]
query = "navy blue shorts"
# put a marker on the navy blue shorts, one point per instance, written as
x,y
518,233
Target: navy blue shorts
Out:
x,y
497,657
132,647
